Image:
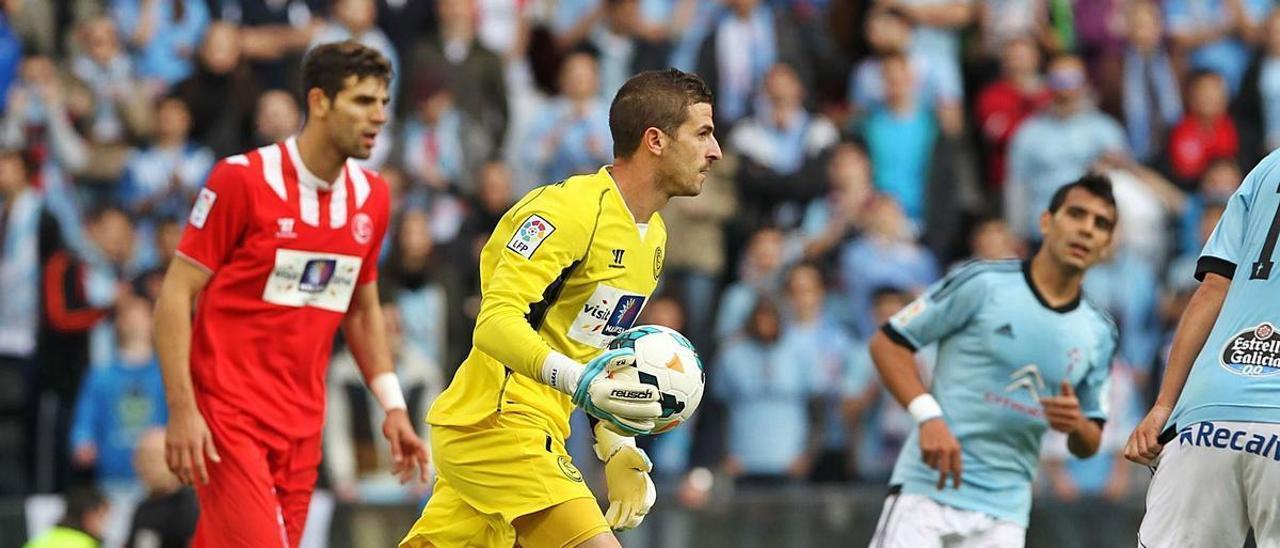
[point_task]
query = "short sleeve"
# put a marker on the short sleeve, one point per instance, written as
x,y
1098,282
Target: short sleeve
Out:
x,y
1093,391
1222,252
946,307
218,219
369,267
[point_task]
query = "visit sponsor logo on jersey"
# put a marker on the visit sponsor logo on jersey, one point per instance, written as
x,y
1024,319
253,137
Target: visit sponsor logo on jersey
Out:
x,y
607,313
320,280
1253,352
204,204
362,228
530,235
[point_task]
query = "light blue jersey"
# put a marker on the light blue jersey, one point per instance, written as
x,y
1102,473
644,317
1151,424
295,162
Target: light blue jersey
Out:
x,y
1000,349
1236,377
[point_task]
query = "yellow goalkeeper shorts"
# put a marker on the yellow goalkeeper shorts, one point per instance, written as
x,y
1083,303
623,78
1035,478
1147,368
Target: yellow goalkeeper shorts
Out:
x,y
500,469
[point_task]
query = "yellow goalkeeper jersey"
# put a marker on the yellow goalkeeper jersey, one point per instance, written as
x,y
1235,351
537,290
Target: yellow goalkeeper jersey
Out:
x,y
567,268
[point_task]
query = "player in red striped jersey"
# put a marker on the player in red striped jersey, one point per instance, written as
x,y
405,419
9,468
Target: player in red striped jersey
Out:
x,y
280,250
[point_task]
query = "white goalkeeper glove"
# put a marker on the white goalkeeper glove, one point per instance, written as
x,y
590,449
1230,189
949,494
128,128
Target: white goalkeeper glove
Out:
x,y
626,472
629,406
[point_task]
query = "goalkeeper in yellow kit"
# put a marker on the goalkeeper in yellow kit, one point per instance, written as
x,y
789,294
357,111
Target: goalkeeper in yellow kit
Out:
x,y
567,269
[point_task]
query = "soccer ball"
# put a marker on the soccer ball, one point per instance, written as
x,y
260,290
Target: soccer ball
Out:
x,y
667,360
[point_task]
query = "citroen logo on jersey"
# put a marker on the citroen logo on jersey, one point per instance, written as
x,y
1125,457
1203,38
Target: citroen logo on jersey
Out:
x,y
617,258
285,226
1026,377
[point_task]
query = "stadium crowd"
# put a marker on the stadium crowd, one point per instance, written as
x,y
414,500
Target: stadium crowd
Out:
x,y
871,146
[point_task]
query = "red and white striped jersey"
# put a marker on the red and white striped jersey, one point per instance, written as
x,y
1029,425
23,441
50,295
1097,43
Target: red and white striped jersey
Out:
x,y
286,251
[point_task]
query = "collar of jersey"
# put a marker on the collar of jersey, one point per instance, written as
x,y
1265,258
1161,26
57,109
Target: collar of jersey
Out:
x,y
1061,309
305,177
642,229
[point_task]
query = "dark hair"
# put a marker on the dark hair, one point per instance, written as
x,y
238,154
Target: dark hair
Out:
x,y
1096,184
655,98
81,501
328,66
1201,74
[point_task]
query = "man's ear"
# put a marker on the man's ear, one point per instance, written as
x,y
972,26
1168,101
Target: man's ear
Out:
x,y
1046,219
654,140
317,103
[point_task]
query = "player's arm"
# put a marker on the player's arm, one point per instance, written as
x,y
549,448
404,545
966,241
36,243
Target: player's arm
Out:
x,y
187,439
1192,331
217,223
1215,269
537,255
944,309
365,334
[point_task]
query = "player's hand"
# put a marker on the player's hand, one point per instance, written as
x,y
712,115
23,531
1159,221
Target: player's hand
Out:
x,y
1063,411
626,473
408,452
940,450
1144,443
186,443
629,406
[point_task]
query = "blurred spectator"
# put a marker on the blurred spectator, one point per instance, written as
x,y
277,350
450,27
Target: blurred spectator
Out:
x,y
411,277
835,374
991,240
165,236
27,236
1004,104
82,524
1206,133
355,20
885,254
1216,34
1007,21
615,42
889,32
273,34
782,149
405,21
1268,88
900,135
937,29
570,135
749,38
570,21
1149,94
119,401
10,47
357,457
695,260
442,144
119,111
78,291
759,274
766,380
829,221
1099,28
164,34
166,517
162,180
1056,146
221,93
1219,182
275,118
458,61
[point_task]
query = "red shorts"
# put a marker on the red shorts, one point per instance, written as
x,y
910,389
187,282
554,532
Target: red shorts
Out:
x,y
259,494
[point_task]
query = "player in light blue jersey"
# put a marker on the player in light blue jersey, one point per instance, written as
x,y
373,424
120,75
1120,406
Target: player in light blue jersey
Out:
x,y
1019,352
1213,435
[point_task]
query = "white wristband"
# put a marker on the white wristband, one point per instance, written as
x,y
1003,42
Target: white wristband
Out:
x,y
386,387
924,408
561,372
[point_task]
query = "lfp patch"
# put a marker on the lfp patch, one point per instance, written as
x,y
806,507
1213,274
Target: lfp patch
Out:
x,y
530,235
200,211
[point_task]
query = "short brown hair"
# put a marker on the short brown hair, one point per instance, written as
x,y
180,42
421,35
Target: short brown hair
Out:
x,y
655,98
328,66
